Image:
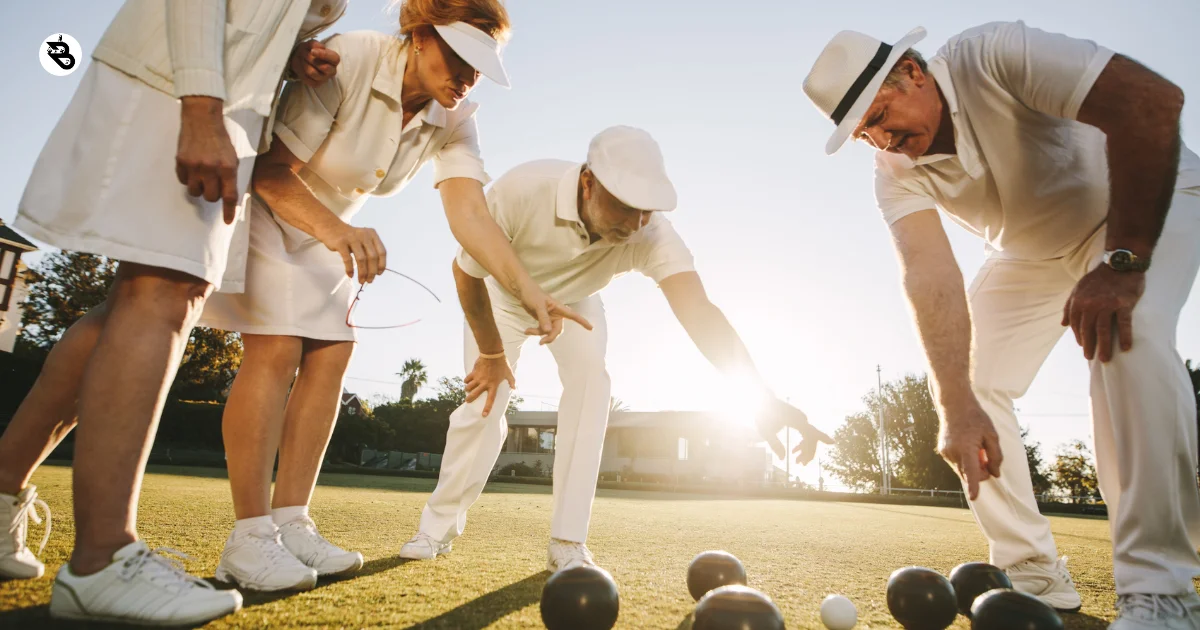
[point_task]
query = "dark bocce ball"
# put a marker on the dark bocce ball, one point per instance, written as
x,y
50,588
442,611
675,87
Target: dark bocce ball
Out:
x,y
921,599
713,569
1006,609
973,579
582,598
736,607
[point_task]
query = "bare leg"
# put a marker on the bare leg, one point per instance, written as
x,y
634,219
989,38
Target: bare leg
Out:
x,y
47,414
254,417
150,315
312,411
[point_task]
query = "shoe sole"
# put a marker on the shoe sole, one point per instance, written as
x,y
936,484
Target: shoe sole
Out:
x,y
124,621
353,568
225,576
1059,605
79,615
443,552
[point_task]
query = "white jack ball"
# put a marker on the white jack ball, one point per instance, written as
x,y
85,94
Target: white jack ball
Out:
x,y
838,613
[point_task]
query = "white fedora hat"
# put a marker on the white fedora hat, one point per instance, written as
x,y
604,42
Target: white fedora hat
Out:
x,y
847,75
477,48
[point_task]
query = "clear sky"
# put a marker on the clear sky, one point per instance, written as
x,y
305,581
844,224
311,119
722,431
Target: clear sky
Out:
x,y
787,240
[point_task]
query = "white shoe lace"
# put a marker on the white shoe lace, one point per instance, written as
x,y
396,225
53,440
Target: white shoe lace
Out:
x,y
1150,607
310,531
568,553
272,547
26,511
425,539
161,569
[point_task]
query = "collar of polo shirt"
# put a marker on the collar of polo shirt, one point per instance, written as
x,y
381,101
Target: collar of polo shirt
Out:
x,y
964,140
387,82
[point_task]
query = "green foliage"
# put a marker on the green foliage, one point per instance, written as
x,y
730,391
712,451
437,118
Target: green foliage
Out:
x,y
415,377
1074,474
62,288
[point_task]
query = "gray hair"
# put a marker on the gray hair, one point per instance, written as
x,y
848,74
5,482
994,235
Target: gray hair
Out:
x,y
896,75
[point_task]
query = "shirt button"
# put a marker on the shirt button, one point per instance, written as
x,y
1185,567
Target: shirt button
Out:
x,y
325,10
379,172
359,190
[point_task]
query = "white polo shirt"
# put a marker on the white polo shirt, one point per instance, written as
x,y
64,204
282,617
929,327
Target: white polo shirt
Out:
x,y
1028,178
351,134
535,204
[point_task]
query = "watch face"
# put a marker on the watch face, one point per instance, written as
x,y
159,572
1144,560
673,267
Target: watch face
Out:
x,y
1119,259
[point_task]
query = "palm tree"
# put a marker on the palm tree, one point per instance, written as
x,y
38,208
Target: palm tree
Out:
x,y
414,377
616,404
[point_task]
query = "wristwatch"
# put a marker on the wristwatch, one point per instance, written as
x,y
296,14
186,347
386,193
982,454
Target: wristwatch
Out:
x,y
1125,260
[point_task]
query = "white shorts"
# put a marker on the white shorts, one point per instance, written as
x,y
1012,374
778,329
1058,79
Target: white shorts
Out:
x,y
296,289
105,183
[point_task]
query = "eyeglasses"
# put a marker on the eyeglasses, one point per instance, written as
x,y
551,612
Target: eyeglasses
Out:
x,y
362,286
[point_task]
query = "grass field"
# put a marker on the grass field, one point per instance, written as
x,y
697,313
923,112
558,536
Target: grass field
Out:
x,y
795,551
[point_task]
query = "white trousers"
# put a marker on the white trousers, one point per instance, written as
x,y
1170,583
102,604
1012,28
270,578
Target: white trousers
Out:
x,y
473,442
1143,408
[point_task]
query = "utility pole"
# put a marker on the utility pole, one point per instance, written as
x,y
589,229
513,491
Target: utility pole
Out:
x,y
886,486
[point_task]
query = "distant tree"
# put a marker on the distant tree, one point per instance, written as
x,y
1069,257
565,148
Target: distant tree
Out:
x,y
1042,483
414,377
854,458
911,422
210,362
616,404
1074,474
63,286
66,285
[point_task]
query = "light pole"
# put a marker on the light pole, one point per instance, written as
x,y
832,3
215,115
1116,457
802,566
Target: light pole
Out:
x,y
886,486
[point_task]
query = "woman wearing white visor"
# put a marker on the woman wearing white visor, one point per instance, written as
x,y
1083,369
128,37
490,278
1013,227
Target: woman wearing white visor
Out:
x,y
396,103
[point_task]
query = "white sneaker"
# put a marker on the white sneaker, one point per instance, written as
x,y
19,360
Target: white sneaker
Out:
x,y
424,547
140,587
301,539
564,554
16,560
1157,612
1053,584
257,560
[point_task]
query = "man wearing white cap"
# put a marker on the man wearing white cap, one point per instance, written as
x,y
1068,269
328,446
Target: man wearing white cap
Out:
x,y
1066,158
576,227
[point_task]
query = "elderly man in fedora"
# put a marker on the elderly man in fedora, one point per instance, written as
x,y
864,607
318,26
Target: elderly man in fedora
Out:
x,y
1066,158
576,226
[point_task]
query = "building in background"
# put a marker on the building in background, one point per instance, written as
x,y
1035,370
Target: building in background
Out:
x,y
12,284
659,446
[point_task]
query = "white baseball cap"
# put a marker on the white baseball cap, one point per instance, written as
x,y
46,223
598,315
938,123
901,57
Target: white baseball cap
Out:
x,y
477,48
847,75
629,164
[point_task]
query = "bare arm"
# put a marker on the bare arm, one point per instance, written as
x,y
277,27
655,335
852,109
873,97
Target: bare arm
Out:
x,y
477,307
933,284
1139,112
477,232
488,373
717,340
708,328
277,181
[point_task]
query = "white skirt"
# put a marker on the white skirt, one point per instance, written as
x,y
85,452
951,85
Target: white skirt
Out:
x,y
295,286
105,183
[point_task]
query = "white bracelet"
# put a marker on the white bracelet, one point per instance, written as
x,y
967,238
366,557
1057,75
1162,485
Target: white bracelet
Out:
x,y
492,356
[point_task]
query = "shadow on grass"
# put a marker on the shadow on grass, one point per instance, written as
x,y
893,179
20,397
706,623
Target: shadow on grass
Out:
x,y
250,599
1082,621
490,607
39,617
686,623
